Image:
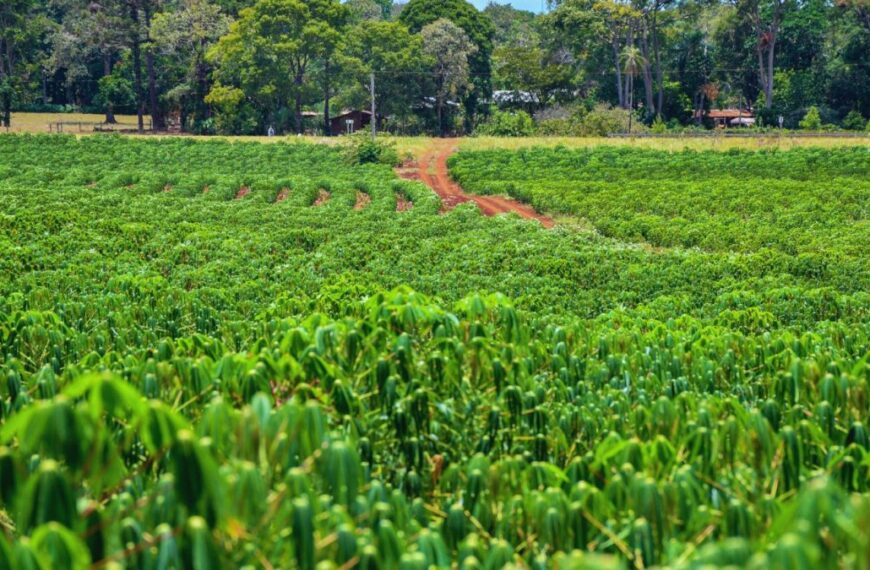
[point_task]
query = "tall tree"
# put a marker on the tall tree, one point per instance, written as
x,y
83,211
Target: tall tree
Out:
x,y
513,27
598,29
90,30
269,50
395,55
185,36
450,50
766,18
364,10
531,70
633,61
21,27
650,43
478,28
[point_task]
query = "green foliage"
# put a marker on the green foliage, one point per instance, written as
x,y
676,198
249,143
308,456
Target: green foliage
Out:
x,y
378,46
719,202
115,90
603,120
269,50
659,126
417,14
854,121
199,379
507,124
597,120
529,69
233,114
361,149
812,121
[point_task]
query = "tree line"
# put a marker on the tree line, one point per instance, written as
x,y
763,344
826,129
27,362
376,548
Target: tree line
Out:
x,y
439,66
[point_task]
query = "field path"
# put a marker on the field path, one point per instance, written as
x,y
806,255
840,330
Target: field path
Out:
x,y
431,169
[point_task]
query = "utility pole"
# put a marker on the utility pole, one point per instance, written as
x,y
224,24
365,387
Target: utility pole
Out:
x,y
374,106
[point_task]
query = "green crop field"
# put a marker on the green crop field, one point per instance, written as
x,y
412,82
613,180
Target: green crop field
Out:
x,y
223,354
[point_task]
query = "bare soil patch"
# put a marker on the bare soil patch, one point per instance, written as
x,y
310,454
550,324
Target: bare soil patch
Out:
x,y
362,200
432,171
243,191
403,204
322,198
282,195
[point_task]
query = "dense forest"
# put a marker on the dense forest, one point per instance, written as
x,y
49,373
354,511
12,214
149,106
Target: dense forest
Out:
x,y
245,66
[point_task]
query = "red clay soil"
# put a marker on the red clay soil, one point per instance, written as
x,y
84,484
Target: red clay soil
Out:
x,y
243,191
403,204
362,200
451,193
282,195
322,198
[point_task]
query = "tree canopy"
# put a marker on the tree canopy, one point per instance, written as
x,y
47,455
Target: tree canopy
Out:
x,y
240,66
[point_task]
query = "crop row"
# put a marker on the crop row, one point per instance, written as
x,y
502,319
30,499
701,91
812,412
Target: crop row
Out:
x,y
406,435
188,380
803,201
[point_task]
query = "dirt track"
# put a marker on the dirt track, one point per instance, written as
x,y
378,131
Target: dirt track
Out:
x,y
434,159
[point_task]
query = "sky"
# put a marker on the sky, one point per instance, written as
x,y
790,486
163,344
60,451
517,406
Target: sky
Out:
x,y
532,5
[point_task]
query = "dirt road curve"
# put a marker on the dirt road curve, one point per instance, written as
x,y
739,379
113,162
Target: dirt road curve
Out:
x,y
431,169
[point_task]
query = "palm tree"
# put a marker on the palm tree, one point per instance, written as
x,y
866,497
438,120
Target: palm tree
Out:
x,y
632,61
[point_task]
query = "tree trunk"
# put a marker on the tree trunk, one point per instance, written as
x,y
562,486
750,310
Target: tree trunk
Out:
x,y
137,69
107,71
648,86
762,74
440,117
619,89
5,73
298,113
157,120
327,131
200,109
7,110
768,88
660,83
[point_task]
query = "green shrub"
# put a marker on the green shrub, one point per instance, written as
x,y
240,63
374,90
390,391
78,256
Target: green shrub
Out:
x,y
361,149
812,121
854,121
604,120
508,124
233,114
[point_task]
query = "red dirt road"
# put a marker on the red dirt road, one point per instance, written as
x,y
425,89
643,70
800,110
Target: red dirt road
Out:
x,y
435,159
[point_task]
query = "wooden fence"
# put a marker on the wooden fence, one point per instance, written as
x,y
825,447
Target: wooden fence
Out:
x,y
85,126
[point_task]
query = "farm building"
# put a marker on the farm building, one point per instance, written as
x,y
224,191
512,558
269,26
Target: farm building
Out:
x,y
729,117
349,122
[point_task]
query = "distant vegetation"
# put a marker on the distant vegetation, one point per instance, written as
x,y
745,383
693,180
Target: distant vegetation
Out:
x,y
440,66
803,201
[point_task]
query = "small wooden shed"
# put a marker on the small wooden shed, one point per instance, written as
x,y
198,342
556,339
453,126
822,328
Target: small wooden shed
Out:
x,y
349,122
729,117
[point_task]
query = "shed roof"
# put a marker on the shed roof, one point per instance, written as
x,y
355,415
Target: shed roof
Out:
x,y
728,113
347,113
